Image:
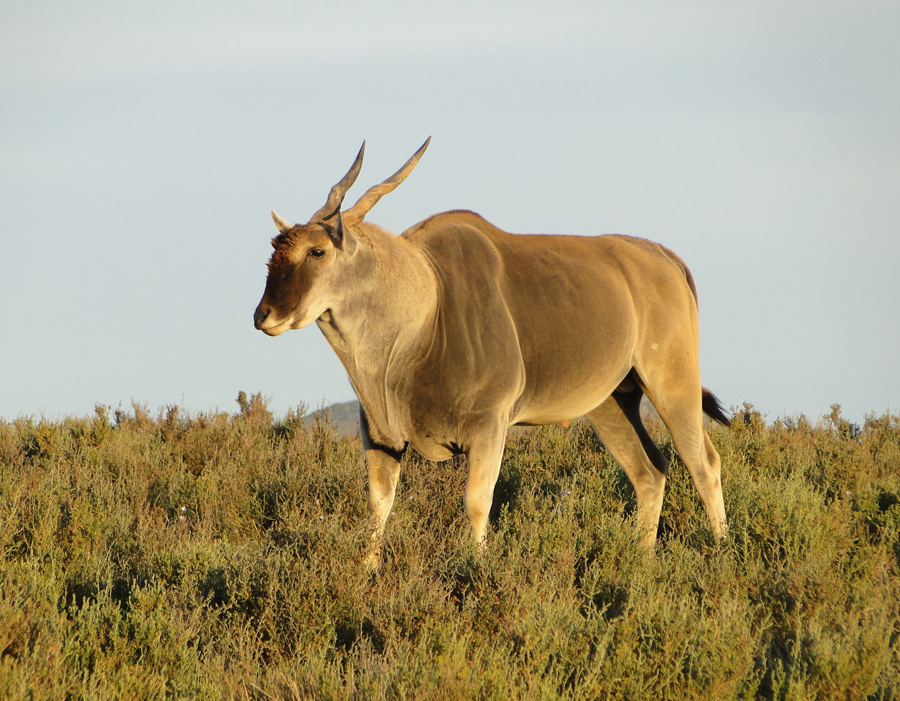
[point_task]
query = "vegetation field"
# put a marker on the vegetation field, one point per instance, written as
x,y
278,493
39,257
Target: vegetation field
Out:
x,y
218,556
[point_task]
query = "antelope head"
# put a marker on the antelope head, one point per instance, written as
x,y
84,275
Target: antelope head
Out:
x,y
307,265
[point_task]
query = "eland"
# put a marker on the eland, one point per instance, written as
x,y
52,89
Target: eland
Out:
x,y
455,330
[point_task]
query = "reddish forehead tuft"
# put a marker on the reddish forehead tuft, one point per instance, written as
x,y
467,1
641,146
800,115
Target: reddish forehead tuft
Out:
x,y
284,245
280,258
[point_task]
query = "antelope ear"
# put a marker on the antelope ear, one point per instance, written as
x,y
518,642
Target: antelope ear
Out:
x,y
282,225
340,236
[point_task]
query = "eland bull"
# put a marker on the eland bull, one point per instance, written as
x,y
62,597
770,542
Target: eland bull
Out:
x,y
455,330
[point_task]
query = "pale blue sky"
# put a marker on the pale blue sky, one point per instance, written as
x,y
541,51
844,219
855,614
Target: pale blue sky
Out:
x,y
142,146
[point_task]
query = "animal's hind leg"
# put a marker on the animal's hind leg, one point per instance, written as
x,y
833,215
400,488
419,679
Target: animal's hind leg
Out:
x,y
677,396
617,422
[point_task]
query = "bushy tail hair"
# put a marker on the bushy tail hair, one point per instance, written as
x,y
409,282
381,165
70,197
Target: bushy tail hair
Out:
x,y
713,408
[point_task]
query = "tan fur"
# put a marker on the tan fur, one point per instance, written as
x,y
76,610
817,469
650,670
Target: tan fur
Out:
x,y
456,330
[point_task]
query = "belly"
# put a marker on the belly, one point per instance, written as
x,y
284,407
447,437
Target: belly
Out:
x,y
432,451
554,399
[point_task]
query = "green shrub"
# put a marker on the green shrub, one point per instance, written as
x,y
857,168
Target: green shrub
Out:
x,y
218,556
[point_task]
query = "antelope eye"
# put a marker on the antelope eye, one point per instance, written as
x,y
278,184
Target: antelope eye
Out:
x,y
316,252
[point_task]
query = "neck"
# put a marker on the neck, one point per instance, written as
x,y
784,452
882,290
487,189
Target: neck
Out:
x,y
383,322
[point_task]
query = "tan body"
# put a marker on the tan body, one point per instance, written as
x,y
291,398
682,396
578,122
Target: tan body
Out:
x,y
456,330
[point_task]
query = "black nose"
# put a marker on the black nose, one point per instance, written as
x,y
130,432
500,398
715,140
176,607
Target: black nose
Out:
x,y
259,316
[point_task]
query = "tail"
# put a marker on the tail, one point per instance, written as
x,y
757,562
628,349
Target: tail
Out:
x,y
713,408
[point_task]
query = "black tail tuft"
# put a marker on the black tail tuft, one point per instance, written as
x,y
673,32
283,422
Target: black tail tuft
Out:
x,y
713,409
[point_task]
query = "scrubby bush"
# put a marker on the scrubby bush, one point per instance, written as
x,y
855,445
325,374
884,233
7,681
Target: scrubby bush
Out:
x,y
218,556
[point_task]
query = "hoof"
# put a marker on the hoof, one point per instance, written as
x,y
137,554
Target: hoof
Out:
x,y
372,560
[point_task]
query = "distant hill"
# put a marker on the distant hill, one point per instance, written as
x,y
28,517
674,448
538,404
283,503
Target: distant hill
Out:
x,y
345,415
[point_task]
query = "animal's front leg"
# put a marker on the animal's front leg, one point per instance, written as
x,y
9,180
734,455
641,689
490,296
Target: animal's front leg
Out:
x,y
484,454
384,471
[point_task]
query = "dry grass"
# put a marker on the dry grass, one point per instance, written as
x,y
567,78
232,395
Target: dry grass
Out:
x,y
217,556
